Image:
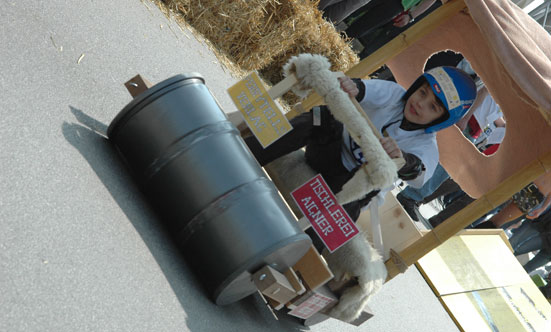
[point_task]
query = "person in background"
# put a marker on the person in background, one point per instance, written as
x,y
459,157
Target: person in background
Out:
x,y
531,201
378,12
532,235
338,10
378,37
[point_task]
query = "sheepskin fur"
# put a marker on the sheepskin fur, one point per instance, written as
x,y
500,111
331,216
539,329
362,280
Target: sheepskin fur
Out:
x,y
292,169
312,72
357,258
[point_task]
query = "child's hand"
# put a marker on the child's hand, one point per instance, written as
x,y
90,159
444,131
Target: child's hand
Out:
x,y
349,86
391,148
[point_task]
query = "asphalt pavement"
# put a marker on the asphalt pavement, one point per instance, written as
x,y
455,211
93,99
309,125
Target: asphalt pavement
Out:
x,y
80,248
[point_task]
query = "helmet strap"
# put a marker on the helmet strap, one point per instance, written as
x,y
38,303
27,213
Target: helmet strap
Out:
x,y
410,126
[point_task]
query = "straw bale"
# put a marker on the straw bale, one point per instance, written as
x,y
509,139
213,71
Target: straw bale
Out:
x,y
240,28
263,34
313,34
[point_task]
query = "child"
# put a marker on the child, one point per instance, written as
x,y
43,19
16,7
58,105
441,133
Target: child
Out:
x,y
409,119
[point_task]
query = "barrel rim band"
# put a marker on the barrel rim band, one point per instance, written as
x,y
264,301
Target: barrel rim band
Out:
x,y
222,203
183,143
149,96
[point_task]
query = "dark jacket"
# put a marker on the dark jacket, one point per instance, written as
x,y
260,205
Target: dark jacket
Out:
x,y
543,225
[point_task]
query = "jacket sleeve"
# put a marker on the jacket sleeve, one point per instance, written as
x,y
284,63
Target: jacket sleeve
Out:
x,y
361,88
413,167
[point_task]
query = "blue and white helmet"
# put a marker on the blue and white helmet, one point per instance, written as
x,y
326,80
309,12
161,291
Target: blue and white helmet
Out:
x,y
455,89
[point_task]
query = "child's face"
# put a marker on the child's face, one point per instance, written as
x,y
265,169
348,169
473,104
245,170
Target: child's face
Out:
x,y
422,107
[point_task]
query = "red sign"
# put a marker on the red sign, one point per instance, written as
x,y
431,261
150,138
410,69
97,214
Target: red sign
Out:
x,y
328,218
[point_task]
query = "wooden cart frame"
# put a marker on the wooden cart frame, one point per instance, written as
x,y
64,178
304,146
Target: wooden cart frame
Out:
x,y
484,203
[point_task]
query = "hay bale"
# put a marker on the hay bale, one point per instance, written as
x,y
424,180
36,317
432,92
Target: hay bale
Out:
x,y
263,34
313,35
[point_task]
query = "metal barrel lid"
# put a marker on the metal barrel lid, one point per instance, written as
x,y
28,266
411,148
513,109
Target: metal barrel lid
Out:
x,y
151,94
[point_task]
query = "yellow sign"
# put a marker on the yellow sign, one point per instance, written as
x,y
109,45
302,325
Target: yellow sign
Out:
x,y
262,115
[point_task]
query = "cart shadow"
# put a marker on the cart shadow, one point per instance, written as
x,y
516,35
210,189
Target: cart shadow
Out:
x,y
89,137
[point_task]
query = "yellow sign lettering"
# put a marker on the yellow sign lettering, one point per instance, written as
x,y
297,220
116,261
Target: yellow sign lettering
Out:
x,y
261,113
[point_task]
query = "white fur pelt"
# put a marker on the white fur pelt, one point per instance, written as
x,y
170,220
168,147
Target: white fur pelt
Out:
x,y
357,258
312,72
292,169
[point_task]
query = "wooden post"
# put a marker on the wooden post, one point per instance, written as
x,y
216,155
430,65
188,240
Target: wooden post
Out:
x,y
470,213
390,49
400,162
283,86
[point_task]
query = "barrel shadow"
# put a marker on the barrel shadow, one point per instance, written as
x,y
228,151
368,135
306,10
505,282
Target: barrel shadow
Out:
x,y
89,138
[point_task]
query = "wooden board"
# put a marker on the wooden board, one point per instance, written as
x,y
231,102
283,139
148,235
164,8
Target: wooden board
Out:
x,y
471,262
513,308
483,286
488,231
295,281
312,269
481,231
397,228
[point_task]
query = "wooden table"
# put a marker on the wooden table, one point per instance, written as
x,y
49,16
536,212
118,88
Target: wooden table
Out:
x,y
483,286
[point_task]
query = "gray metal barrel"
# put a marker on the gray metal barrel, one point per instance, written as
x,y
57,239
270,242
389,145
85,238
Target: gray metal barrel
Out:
x,y
199,175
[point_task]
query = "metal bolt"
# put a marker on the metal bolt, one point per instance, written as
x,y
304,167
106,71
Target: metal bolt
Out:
x,y
134,84
262,277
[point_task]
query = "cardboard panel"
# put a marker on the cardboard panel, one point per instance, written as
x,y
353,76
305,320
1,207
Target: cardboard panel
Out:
x,y
482,285
312,302
471,262
511,308
274,284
